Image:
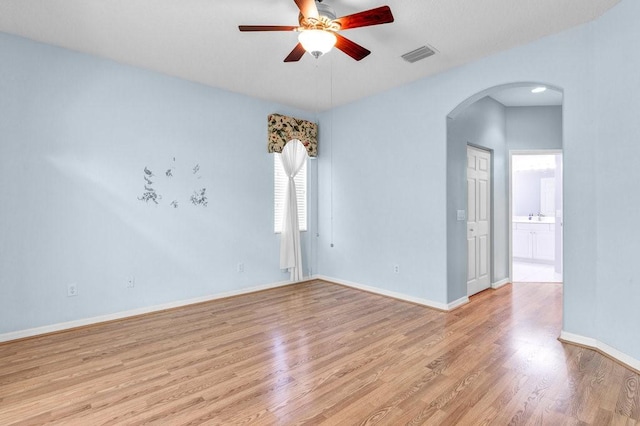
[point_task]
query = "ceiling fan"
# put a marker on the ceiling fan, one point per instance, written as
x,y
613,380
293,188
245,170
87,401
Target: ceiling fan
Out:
x,y
319,29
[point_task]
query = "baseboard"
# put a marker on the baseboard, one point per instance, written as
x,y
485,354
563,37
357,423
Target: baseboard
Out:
x,y
55,328
395,295
604,349
457,303
500,283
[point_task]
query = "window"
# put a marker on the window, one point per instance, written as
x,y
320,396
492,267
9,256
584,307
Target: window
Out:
x,y
279,188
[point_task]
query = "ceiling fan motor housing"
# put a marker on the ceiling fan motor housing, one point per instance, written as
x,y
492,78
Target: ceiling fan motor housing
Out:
x,y
326,11
326,15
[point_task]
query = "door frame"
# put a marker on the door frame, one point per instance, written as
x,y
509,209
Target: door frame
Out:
x,y
510,229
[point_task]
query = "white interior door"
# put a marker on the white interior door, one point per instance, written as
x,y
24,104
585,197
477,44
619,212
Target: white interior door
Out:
x,y
478,220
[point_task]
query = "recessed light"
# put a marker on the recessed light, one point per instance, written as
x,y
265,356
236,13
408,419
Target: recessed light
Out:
x,y
539,89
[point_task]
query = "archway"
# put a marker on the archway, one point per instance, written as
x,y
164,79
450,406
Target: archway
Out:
x,y
482,121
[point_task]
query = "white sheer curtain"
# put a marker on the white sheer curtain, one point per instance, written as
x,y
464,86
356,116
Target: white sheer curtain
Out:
x,y
293,156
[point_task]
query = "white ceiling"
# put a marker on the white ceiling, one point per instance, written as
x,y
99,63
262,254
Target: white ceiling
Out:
x,y
198,40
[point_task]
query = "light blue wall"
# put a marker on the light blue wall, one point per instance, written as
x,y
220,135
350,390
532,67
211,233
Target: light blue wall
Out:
x,y
76,133
537,127
616,165
398,138
482,124
374,189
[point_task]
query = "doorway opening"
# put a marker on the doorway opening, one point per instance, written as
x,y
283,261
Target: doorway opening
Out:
x,y
536,216
502,119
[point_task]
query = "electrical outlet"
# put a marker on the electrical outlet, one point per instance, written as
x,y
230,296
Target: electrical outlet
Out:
x,y
131,281
240,267
396,268
72,290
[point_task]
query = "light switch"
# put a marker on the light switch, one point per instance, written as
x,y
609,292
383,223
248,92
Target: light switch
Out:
x,y
462,215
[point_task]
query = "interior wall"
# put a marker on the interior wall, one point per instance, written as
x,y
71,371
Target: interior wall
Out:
x,y
77,133
384,143
375,186
375,220
616,106
482,124
535,127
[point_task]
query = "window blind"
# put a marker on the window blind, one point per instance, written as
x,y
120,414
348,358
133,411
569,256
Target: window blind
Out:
x,y
280,180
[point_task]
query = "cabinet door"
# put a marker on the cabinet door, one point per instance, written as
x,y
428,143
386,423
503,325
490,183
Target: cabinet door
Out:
x,y
522,245
544,245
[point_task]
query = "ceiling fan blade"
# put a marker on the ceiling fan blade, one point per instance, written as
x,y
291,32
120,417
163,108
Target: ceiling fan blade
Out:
x,y
379,15
352,49
266,28
295,55
308,8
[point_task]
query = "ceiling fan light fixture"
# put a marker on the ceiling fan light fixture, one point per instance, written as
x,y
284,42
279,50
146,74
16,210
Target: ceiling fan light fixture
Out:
x,y
317,42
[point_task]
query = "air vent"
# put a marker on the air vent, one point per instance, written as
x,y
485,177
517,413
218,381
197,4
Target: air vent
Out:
x,y
418,54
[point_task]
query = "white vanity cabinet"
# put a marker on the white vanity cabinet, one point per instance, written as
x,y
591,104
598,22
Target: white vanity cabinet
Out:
x,y
534,241
522,246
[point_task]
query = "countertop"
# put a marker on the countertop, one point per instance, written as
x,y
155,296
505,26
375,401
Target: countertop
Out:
x,y
534,219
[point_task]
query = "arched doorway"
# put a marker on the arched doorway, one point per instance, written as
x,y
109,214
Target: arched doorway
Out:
x,y
483,121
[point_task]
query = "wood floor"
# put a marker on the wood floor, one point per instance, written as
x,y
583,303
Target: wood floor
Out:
x,y
319,353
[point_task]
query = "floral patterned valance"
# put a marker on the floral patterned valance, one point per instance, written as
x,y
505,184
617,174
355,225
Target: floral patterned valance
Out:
x,y
282,129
